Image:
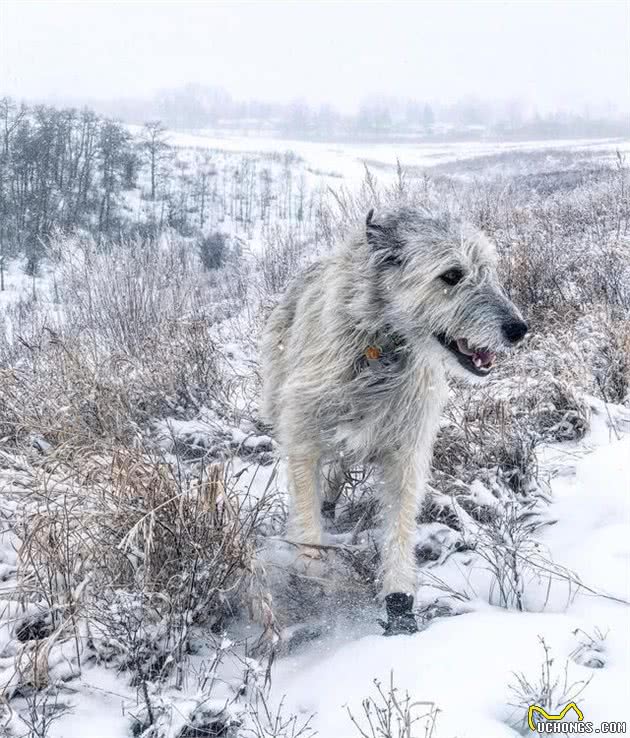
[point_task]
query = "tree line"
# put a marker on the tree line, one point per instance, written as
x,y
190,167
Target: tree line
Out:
x,y
378,116
67,169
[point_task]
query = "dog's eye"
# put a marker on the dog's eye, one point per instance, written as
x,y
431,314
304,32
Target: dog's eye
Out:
x,y
453,276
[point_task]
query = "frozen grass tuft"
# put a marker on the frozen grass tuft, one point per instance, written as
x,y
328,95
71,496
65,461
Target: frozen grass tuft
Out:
x,y
552,690
390,714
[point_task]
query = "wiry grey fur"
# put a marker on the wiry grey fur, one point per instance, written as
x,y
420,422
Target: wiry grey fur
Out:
x,y
328,402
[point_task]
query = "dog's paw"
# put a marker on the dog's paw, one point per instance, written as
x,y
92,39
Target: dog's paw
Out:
x,y
403,625
310,561
400,617
310,553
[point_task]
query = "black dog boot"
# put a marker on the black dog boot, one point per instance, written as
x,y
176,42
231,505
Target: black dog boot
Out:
x,y
400,617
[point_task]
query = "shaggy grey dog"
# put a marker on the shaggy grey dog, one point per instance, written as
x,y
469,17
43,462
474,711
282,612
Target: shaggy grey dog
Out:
x,y
354,365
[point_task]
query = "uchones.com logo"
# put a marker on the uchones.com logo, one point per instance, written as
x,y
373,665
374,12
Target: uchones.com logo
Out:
x,y
565,722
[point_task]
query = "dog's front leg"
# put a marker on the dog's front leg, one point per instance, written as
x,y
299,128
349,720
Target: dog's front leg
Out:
x,y
404,479
306,524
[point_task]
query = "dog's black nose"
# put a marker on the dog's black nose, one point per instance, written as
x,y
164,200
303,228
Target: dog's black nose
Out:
x,y
514,330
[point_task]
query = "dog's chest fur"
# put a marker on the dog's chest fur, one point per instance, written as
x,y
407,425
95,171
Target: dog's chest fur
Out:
x,y
385,399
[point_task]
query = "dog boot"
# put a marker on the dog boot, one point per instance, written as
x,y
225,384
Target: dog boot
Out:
x,y
400,617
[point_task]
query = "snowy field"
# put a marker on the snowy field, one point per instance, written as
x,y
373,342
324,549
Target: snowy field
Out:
x,y
466,663
121,396
349,160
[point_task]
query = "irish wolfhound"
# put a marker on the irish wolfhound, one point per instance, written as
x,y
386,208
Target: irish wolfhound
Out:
x,y
354,363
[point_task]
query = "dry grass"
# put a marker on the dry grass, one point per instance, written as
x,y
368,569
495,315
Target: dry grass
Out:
x,y
123,556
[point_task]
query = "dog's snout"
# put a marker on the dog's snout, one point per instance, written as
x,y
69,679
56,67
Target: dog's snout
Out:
x,y
514,330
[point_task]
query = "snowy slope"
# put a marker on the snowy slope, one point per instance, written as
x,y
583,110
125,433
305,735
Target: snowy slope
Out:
x,y
465,664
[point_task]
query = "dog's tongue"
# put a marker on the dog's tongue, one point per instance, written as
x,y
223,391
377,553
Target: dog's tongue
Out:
x,y
480,358
483,358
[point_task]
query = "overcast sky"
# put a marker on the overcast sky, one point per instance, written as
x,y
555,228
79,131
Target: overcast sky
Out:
x,y
553,54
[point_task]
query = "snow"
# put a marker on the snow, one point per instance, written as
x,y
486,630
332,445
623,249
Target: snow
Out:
x,y
17,284
465,663
593,513
348,160
98,710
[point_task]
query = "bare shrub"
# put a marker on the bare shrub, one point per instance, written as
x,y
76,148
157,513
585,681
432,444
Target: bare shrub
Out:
x,y
123,294
507,546
392,715
43,709
483,439
66,395
130,348
273,722
285,253
613,371
552,690
206,717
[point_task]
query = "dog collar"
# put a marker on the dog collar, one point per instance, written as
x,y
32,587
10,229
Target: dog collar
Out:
x,y
389,341
372,353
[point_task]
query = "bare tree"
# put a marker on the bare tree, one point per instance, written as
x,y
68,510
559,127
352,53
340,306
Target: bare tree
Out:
x,y
11,117
154,147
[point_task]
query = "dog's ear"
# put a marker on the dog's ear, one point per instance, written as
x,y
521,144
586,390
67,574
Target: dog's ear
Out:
x,y
382,238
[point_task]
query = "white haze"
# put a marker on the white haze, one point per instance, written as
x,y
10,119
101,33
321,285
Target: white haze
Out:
x,y
551,55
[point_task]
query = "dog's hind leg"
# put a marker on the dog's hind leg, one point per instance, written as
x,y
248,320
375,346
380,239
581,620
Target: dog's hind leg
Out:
x,y
304,483
333,481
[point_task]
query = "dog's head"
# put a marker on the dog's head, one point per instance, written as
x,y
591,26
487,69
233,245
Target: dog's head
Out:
x,y
438,282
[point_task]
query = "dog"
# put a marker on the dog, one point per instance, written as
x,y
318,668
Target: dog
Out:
x,y
355,359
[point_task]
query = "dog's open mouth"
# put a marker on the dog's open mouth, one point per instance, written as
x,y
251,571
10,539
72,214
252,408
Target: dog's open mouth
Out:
x,y
479,361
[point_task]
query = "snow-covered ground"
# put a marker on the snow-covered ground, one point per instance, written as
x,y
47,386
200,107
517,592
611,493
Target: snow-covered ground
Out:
x,y
471,652
464,664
